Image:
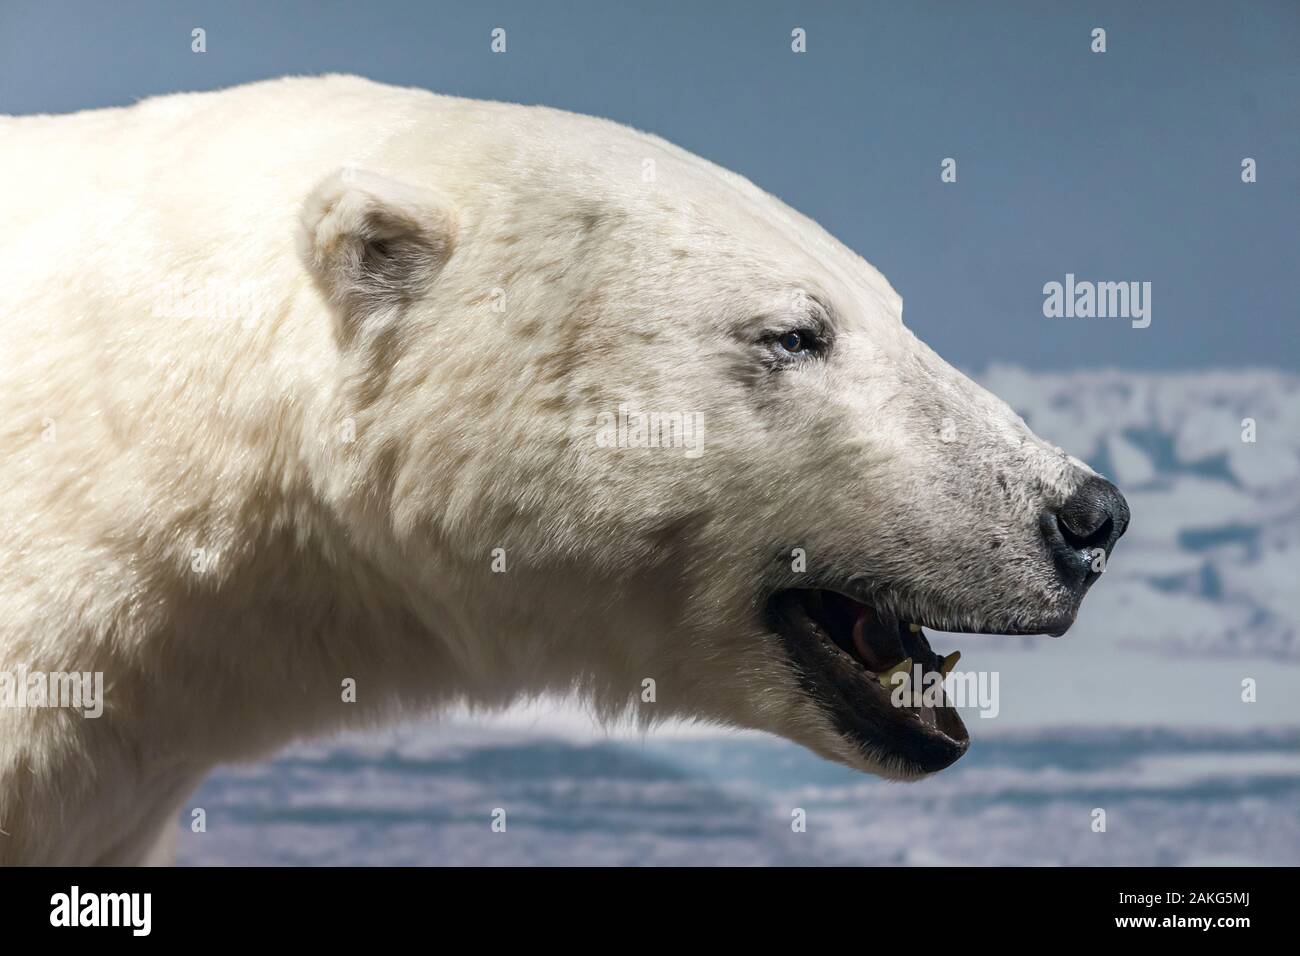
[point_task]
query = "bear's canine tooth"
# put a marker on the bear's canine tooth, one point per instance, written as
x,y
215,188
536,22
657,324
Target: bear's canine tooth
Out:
x,y
949,662
902,667
914,628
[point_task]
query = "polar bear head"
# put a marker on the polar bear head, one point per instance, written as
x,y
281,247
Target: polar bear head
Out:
x,y
623,423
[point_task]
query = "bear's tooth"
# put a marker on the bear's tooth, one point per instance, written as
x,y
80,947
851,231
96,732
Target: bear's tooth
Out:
x,y
914,628
902,667
949,662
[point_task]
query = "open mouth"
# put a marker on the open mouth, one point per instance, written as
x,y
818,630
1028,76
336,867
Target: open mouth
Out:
x,y
863,665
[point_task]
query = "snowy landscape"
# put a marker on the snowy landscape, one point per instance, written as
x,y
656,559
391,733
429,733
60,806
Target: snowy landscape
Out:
x,y
1138,711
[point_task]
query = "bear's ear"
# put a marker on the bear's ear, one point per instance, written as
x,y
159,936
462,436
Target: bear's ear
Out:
x,y
373,244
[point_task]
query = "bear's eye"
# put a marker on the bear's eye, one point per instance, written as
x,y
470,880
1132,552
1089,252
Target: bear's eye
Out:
x,y
793,342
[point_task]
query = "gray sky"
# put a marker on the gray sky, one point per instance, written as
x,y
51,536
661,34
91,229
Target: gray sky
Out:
x,y
1122,166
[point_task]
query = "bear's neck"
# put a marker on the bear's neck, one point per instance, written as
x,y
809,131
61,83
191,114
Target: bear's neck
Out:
x,y
215,654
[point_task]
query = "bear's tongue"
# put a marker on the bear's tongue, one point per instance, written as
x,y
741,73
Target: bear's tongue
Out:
x,y
877,646
862,632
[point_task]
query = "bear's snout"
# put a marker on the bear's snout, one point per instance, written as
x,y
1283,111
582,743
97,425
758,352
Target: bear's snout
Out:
x,y
1082,532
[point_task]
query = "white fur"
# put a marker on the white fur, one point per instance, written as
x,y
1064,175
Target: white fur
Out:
x,y
180,426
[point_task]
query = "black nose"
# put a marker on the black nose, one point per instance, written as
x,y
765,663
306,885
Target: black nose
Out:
x,y
1082,533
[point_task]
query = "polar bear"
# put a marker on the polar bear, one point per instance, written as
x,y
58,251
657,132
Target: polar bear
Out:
x,y
324,400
